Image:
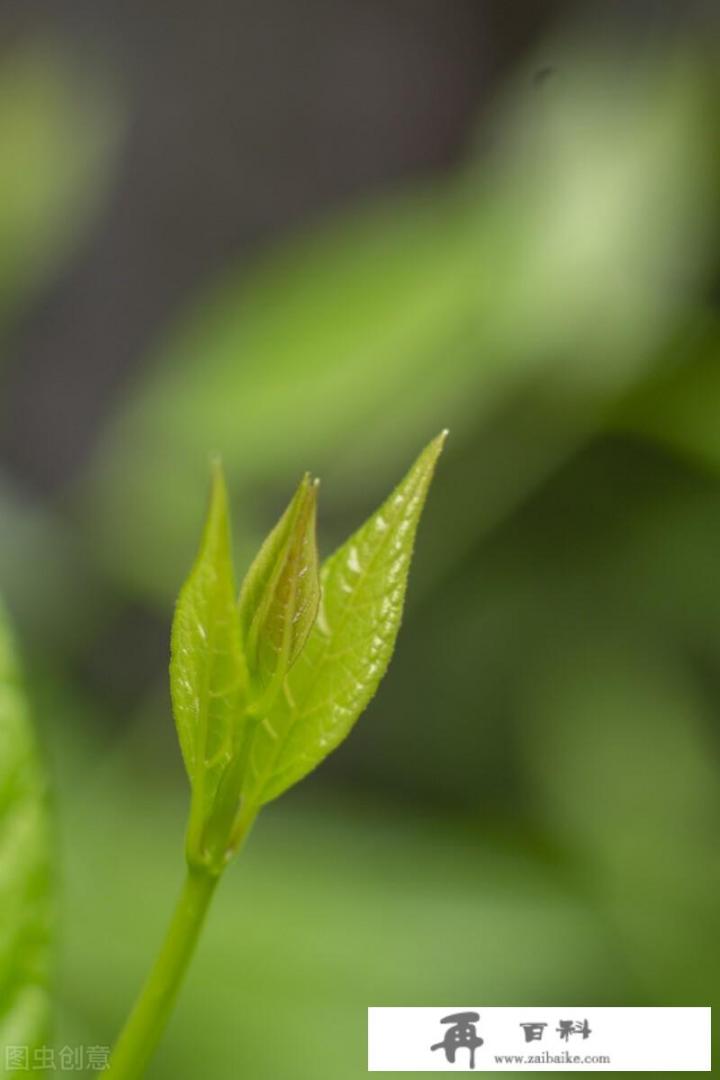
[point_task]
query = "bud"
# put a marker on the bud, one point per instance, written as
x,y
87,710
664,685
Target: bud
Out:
x,y
280,596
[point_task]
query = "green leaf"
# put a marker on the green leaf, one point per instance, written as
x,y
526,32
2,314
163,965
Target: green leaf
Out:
x,y
337,673
208,679
280,595
25,902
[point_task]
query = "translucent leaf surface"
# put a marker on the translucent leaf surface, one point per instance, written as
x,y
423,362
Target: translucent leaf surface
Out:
x,y
363,591
280,595
24,874
207,670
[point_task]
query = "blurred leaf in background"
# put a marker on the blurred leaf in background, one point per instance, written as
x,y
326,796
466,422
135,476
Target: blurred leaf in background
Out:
x,y
59,128
25,908
618,743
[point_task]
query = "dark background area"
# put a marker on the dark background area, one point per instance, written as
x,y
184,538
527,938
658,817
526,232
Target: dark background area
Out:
x,y
244,119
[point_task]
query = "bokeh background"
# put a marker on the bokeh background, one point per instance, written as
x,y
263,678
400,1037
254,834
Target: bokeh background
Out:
x,y
311,235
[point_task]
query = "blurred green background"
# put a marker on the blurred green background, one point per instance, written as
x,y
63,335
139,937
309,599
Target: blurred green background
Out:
x,y
310,239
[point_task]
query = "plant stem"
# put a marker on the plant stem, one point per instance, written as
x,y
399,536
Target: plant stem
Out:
x,y
146,1022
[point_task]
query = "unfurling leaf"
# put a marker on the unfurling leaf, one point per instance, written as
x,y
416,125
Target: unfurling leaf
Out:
x,y
208,679
265,687
280,595
362,594
24,875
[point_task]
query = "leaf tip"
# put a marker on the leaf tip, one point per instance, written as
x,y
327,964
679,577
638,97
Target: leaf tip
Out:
x,y
217,474
438,443
434,449
218,490
305,497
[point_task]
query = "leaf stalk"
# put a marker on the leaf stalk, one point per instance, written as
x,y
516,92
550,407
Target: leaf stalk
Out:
x,y
148,1018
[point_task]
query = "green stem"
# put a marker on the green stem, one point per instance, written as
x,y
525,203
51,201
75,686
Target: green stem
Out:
x,y
146,1022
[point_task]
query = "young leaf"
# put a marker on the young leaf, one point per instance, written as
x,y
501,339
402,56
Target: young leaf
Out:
x,y
25,906
363,590
280,595
207,669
